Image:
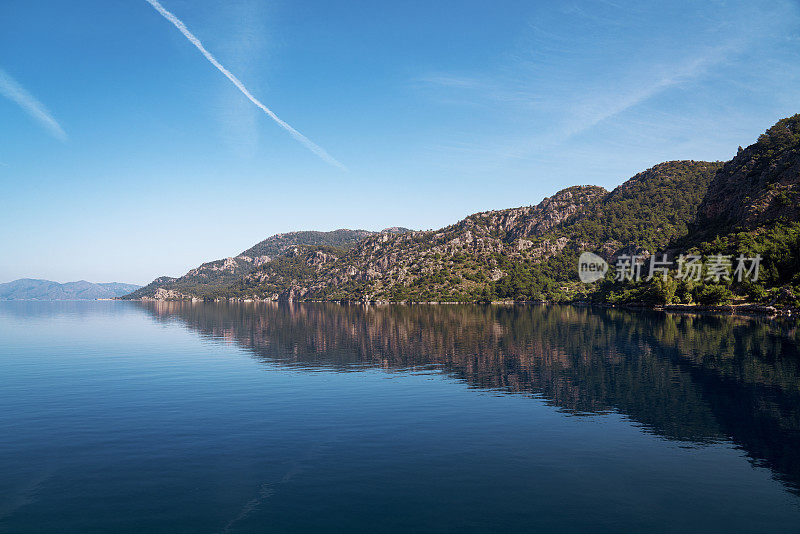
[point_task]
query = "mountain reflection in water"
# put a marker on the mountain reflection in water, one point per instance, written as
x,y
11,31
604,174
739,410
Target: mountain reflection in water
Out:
x,y
694,379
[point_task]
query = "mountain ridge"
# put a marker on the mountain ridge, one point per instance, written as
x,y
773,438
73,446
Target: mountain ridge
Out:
x,y
217,273
530,252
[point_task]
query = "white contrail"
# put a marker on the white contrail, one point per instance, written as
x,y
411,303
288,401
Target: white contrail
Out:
x,y
316,149
12,90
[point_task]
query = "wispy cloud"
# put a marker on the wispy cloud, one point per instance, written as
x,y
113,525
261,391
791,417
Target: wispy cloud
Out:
x,y
313,147
608,106
246,47
12,90
578,110
605,69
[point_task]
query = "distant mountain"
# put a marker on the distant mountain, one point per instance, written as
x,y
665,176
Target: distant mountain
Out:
x,y
747,206
34,289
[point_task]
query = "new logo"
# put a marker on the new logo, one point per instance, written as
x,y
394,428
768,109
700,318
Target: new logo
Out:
x,y
591,267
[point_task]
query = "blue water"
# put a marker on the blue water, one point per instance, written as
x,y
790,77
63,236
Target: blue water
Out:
x,y
180,417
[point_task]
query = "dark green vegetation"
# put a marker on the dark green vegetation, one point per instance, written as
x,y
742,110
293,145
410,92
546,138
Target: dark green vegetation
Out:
x,y
749,205
278,244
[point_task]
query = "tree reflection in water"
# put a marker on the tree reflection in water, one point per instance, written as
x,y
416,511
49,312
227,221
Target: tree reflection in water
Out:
x,y
693,379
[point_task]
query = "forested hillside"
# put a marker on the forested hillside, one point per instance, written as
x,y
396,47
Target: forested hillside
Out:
x,y
748,205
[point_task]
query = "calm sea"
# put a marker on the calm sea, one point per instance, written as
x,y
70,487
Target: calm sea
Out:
x,y
179,417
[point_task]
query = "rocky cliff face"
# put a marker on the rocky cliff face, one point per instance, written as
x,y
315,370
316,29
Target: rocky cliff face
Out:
x,y
521,252
760,185
151,289
458,261
209,277
459,258
386,260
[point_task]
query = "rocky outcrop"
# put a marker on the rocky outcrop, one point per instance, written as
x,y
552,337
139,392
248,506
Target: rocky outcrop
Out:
x,y
518,252
550,212
463,258
206,280
149,291
460,257
760,185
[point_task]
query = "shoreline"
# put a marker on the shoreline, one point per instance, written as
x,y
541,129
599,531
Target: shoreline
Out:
x,y
747,309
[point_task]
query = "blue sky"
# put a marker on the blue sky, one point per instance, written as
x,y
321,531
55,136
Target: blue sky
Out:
x,y
126,154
